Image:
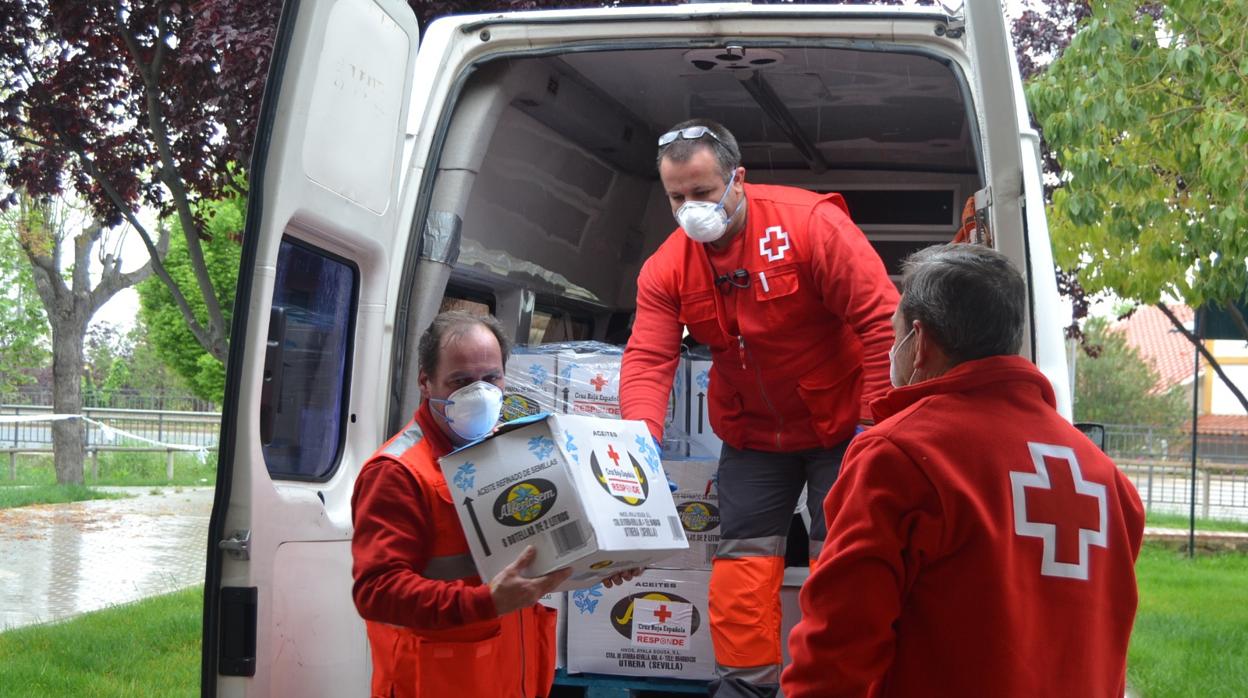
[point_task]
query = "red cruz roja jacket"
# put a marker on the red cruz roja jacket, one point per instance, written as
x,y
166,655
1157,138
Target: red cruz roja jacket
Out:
x,y
797,354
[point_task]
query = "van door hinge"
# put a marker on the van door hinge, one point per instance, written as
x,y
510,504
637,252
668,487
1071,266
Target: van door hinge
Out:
x,y
982,234
954,25
238,545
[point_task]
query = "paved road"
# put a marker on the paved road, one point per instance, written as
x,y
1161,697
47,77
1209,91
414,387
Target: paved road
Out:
x,y
57,561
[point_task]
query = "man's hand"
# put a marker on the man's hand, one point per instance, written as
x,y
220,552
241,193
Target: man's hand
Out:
x,y
511,590
620,578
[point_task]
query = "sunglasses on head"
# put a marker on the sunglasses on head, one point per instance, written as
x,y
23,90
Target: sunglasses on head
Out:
x,y
692,133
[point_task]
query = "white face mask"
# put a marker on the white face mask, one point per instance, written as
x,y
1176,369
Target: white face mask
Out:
x,y
704,221
892,362
472,411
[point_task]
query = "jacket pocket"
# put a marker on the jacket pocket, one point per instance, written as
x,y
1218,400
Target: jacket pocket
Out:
x,y
545,651
698,313
833,402
470,668
775,283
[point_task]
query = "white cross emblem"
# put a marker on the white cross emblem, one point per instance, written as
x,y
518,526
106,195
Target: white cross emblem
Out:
x,y
1059,513
782,244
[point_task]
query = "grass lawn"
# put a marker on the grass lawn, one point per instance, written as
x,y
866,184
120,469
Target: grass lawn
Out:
x,y
1191,632
122,469
1181,521
1190,639
50,494
149,648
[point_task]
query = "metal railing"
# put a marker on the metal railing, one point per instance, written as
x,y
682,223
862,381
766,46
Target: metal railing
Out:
x,y
112,430
1164,444
117,400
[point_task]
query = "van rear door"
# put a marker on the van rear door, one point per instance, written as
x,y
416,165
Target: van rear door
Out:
x,y
1015,203
311,327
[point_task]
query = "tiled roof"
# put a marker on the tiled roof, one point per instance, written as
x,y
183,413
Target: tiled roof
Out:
x,y
1222,424
1169,352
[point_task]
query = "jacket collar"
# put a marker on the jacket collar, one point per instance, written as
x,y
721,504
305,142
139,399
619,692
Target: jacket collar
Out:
x,y
970,375
439,444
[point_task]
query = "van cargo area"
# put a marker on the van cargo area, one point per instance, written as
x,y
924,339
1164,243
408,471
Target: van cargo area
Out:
x,y
549,161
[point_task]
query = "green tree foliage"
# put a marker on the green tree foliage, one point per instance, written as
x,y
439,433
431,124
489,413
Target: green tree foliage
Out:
x,y
168,333
1117,386
23,323
1147,112
128,371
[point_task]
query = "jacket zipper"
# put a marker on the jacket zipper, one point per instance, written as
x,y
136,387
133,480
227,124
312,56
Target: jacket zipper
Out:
x,y
523,650
762,389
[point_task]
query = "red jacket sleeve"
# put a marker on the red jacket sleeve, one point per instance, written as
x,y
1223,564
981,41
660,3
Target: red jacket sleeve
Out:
x,y
883,515
391,543
653,350
855,287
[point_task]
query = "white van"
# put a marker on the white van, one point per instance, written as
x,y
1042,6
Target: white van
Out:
x,y
508,165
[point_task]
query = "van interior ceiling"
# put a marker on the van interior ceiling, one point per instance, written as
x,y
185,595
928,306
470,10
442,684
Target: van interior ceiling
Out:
x,y
549,162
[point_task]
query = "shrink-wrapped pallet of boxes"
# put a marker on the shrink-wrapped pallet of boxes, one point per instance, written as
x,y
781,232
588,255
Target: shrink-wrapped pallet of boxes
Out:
x,y
532,384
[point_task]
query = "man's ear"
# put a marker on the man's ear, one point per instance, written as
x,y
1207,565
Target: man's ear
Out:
x,y
422,380
929,358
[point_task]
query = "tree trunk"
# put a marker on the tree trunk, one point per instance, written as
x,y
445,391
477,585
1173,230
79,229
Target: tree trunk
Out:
x,y
68,435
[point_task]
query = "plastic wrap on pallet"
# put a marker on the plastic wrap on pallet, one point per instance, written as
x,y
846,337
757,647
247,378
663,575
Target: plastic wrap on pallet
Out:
x,y
693,409
589,378
583,378
532,383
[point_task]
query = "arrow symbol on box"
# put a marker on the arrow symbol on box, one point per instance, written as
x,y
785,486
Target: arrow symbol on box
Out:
x,y
701,417
472,514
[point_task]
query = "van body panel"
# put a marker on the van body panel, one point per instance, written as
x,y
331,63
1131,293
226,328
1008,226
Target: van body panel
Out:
x,y
500,110
329,195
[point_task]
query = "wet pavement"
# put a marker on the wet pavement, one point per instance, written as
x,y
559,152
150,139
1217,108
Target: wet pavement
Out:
x,y
60,560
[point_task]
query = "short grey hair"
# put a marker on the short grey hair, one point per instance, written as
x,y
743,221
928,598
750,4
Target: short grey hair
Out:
x,y
449,326
727,152
970,297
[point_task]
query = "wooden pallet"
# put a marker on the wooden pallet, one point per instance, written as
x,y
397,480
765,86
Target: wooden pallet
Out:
x,y
603,686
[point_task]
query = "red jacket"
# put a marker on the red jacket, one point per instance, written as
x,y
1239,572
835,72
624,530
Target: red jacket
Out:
x,y
967,554
796,355
432,626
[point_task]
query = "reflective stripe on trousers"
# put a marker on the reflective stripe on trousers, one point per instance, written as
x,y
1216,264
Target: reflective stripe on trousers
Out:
x,y
745,616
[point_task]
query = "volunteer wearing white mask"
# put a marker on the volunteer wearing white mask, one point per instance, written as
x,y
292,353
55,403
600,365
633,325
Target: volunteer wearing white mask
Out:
x,y
434,627
794,306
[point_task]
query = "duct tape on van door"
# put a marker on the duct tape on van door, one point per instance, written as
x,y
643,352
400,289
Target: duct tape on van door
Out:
x,y
440,240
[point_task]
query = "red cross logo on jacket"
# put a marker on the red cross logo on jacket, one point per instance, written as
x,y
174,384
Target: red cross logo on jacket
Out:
x,y
1056,505
781,240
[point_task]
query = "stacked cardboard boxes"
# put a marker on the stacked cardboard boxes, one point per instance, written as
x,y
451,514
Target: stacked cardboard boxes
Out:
x,y
656,625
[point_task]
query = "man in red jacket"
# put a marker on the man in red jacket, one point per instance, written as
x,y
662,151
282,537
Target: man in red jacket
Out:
x,y
794,305
978,544
434,628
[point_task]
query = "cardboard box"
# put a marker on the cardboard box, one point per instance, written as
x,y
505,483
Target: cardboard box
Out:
x,y
589,384
697,504
694,402
532,385
588,493
655,625
557,601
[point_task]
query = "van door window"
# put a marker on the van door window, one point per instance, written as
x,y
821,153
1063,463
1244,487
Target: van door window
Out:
x,y
306,367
